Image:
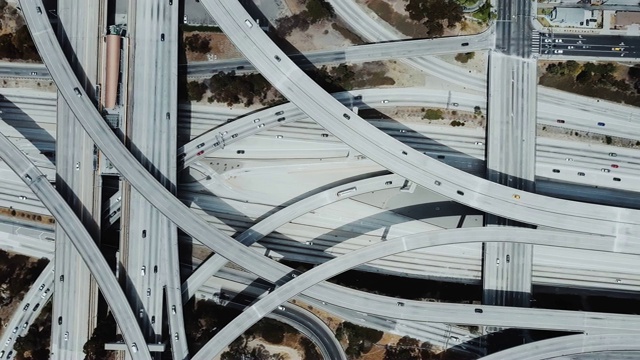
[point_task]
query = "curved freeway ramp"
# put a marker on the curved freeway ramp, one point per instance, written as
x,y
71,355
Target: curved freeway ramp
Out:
x,y
401,159
518,317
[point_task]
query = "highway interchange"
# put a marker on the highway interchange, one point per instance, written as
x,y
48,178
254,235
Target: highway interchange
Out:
x,y
612,228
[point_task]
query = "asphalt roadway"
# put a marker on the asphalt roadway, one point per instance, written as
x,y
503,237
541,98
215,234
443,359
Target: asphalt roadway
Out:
x,y
403,160
81,239
171,207
530,317
607,46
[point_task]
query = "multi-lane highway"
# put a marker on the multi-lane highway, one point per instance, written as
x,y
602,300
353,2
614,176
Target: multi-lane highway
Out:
x,y
620,226
192,225
149,240
30,307
350,127
77,295
574,45
479,314
79,237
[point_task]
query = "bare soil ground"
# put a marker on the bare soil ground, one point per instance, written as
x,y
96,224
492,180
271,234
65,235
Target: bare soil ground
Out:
x,y
320,36
478,64
414,115
10,19
221,47
404,75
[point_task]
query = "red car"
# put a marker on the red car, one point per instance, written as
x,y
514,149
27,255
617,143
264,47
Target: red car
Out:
x,y
200,153
614,166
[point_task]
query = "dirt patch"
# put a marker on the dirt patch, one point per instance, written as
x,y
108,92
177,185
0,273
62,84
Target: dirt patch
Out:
x,y
415,115
220,47
477,64
295,6
10,19
288,350
320,36
556,132
404,75
399,21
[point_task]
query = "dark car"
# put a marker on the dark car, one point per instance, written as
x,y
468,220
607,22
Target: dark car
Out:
x,y
600,124
560,121
479,311
465,44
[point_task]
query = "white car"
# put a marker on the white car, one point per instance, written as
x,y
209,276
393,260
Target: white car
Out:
x,y
66,336
248,23
384,101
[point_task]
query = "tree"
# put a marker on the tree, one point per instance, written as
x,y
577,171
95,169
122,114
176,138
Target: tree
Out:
x,y
196,90
465,57
360,339
197,43
433,114
634,72
426,351
310,349
407,348
434,14
318,10
7,49
584,77
24,44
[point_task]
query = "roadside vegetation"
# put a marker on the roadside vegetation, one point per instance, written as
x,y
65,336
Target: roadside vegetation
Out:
x,y
315,12
465,57
34,345
608,81
433,114
435,15
364,343
205,319
408,348
17,274
484,13
104,332
197,43
15,41
248,89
